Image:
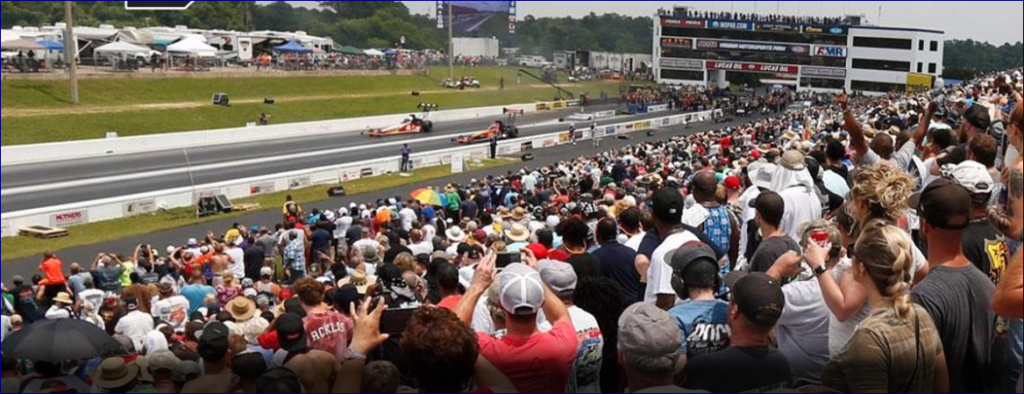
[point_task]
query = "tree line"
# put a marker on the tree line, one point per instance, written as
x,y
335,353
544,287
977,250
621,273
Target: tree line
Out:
x,y
382,24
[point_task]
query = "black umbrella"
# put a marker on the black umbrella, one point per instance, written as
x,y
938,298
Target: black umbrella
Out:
x,y
55,341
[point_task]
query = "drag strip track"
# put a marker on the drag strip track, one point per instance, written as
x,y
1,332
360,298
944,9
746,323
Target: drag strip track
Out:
x,y
68,182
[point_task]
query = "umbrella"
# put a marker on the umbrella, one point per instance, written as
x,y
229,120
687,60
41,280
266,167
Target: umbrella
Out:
x,y
292,47
55,341
22,44
51,45
429,197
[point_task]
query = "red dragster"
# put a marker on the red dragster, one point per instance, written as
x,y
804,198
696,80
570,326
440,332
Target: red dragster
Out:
x,y
411,125
503,130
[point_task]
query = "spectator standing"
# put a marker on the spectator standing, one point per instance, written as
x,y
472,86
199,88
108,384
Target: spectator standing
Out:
x,y
701,318
617,261
668,217
756,306
406,163
775,243
649,343
955,293
561,279
896,349
535,362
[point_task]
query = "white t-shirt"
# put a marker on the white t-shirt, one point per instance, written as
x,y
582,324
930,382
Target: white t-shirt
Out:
x,y
366,243
93,296
587,367
749,213
802,206
635,241
173,311
425,247
659,275
5,327
840,333
429,232
135,325
58,313
408,216
803,330
237,265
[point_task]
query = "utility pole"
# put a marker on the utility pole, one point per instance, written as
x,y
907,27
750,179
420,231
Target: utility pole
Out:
x,y
70,51
451,43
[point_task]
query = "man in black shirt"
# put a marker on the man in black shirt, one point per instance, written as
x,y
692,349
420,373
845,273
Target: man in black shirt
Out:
x,y
618,261
955,293
775,243
749,364
975,121
983,244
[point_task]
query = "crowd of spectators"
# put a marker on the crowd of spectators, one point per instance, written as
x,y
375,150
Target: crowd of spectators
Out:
x,y
766,18
859,245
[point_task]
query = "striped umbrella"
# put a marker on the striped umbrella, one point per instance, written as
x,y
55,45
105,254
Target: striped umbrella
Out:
x,y
429,197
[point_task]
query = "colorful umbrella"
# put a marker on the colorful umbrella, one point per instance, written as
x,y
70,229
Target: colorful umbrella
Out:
x,y
429,197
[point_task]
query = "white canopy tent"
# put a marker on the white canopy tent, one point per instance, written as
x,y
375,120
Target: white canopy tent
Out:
x,y
8,35
192,47
123,49
373,52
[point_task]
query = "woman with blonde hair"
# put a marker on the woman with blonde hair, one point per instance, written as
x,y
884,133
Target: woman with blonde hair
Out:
x,y
879,193
897,348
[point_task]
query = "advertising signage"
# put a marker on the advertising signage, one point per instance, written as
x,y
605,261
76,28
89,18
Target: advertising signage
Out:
x,y
675,42
683,64
753,46
778,27
752,67
835,31
829,51
730,25
824,72
683,23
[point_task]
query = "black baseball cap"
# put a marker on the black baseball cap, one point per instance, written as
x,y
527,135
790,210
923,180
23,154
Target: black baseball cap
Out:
x,y
944,204
669,205
213,344
346,296
291,332
696,264
279,380
759,297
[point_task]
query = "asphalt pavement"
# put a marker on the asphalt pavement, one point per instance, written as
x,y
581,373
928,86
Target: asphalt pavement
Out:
x,y
57,183
85,254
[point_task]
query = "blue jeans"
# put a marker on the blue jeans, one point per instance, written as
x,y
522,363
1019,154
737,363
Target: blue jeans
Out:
x,y
1013,356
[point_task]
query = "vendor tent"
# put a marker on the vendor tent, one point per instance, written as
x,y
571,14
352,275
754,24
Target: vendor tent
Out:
x,y
192,47
8,35
22,44
292,47
51,45
349,50
123,48
373,52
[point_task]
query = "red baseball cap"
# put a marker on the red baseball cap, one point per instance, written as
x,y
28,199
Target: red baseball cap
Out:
x,y
756,154
733,183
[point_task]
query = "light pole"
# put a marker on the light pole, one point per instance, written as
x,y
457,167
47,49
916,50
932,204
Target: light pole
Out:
x,y
451,44
70,51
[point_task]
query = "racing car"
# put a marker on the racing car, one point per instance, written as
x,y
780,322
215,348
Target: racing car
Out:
x,y
411,125
503,130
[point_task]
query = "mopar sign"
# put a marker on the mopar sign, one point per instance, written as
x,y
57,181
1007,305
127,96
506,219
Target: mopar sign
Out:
x,y
730,25
830,51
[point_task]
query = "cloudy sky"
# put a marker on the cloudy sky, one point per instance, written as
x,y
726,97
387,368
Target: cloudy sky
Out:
x,y
994,21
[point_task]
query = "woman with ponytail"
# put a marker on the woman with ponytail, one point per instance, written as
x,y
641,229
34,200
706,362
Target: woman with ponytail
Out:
x,y
897,347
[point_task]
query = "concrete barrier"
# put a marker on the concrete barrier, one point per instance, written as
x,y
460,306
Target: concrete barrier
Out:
x,y
39,153
71,215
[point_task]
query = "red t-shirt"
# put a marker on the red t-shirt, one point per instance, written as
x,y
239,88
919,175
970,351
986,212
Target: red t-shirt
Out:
x,y
558,255
450,302
539,364
329,331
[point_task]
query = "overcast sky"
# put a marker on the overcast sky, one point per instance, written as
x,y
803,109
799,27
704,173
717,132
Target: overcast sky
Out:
x,y
997,22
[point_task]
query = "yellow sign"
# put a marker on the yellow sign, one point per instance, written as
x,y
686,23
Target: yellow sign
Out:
x,y
918,83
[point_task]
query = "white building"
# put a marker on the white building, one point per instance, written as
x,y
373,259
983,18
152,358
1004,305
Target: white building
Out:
x,y
870,59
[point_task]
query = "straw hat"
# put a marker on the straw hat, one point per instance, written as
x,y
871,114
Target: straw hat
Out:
x,y
360,280
63,298
115,373
518,233
241,309
519,214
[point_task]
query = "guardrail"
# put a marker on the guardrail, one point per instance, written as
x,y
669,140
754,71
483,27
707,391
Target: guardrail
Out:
x,y
120,207
39,153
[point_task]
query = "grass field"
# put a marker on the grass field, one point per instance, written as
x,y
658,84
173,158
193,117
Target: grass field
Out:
x,y
38,111
89,234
